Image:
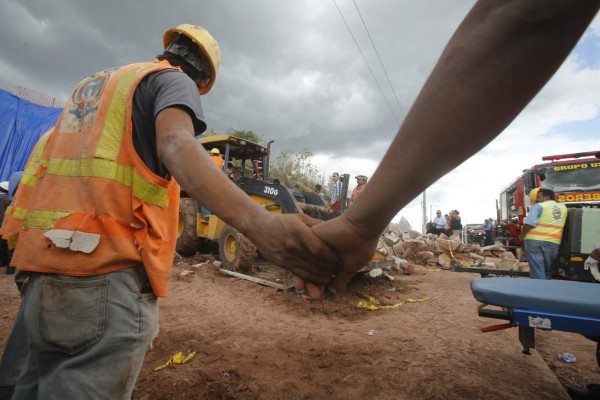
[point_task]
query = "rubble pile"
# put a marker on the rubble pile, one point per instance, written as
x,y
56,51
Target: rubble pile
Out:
x,y
413,252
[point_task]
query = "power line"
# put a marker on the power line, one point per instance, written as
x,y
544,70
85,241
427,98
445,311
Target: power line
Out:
x,y
380,62
368,66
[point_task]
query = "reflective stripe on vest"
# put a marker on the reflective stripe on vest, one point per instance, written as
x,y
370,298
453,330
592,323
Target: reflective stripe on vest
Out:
x,y
106,169
33,165
110,141
551,223
85,176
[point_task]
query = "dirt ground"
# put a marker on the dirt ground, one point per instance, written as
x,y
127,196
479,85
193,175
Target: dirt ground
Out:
x,y
255,342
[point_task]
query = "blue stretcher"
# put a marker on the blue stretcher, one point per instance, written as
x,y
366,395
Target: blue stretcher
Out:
x,y
531,304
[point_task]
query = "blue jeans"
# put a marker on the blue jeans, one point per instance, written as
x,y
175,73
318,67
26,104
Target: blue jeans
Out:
x,y
88,335
540,256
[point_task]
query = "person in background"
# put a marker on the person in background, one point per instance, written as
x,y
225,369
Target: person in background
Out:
x,y
336,192
488,228
447,231
542,233
455,223
215,154
361,182
439,223
319,191
4,203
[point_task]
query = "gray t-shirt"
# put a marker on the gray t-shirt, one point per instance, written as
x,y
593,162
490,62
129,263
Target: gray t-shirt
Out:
x,y
160,90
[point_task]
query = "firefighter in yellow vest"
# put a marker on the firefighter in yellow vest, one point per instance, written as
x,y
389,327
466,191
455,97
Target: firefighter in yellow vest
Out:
x,y
542,231
361,182
95,219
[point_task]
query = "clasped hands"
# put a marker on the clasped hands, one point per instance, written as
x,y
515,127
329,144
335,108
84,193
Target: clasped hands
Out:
x,y
314,251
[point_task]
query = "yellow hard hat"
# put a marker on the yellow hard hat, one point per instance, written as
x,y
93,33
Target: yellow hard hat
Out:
x,y
206,43
533,194
215,151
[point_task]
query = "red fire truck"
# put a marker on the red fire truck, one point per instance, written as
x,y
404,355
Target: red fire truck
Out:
x,y
575,178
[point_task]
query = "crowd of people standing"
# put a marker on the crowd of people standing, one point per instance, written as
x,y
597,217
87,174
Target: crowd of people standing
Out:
x,y
448,224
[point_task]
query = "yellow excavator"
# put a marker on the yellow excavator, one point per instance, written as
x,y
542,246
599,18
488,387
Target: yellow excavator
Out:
x,y
247,164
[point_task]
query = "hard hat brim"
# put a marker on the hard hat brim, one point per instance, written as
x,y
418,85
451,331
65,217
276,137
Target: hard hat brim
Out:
x,y
171,34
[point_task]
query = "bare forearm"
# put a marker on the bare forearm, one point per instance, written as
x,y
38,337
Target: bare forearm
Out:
x,y
525,230
498,59
206,183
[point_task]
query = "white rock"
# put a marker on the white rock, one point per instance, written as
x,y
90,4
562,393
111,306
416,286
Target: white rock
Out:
x,y
375,272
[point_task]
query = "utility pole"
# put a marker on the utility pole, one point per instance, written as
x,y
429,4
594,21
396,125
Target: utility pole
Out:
x,y
424,212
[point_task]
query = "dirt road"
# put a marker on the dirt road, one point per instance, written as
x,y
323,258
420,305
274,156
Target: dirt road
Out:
x,y
254,342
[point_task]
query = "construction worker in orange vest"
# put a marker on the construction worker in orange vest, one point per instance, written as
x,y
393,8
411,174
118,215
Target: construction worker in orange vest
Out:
x,y
95,219
215,154
361,181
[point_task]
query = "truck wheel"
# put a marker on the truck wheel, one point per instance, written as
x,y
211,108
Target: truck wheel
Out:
x,y
236,251
188,242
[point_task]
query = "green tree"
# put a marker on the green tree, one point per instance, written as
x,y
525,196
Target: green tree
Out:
x,y
248,135
210,132
296,168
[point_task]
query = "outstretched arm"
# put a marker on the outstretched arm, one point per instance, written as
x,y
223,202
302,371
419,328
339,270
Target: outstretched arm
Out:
x,y
496,62
286,240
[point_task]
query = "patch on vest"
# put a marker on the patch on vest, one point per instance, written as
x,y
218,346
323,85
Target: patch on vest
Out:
x,y
556,214
74,240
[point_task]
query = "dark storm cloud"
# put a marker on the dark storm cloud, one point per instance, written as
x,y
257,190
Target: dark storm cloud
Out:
x,y
290,71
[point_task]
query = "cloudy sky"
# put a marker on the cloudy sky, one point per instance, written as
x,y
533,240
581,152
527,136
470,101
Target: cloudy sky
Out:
x,y
291,71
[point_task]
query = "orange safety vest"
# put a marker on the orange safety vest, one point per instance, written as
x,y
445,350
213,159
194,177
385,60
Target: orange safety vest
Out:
x,y
218,160
357,190
551,223
87,205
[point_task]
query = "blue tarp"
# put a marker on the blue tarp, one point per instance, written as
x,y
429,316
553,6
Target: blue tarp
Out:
x,y
21,125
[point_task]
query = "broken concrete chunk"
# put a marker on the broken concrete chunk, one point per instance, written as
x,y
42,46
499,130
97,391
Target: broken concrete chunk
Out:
x,y
425,255
185,273
400,261
523,266
508,265
376,272
507,255
390,240
493,260
493,248
414,269
475,256
413,234
445,261
398,248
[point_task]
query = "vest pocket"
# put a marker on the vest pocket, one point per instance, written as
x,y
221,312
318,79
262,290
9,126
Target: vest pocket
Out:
x,y
72,313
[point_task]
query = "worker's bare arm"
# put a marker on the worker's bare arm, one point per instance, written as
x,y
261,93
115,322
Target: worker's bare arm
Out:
x,y
525,230
498,59
284,240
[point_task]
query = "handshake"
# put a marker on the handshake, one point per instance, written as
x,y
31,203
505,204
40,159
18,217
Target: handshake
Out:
x,y
314,251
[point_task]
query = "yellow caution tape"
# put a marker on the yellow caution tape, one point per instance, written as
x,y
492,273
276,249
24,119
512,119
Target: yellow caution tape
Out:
x,y
178,358
373,304
454,258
